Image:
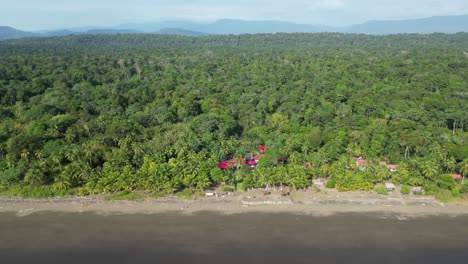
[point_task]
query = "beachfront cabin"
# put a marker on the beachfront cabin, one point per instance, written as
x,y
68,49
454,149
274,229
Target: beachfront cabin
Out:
x,y
251,163
250,159
360,162
392,167
226,164
390,186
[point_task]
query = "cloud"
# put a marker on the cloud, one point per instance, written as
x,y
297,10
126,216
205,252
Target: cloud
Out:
x,y
328,5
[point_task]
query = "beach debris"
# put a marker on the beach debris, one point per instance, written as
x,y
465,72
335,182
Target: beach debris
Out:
x,y
389,186
210,194
266,192
319,182
416,189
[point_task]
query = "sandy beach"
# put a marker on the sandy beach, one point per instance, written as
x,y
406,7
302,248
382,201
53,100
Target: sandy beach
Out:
x,y
311,202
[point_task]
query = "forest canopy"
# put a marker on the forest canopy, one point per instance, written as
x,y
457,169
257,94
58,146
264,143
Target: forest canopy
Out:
x,y
94,114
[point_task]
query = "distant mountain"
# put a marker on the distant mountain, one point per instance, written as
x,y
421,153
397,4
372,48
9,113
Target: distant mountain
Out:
x,y
67,32
230,26
227,26
180,31
110,31
64,32
10,33
442,24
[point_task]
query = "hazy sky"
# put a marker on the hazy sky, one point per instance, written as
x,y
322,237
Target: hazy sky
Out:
x,y
53,14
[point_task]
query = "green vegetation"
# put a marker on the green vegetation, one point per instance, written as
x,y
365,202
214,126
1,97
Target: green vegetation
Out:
x,y
444,196
86,115
125,195
405,189
381,190
330,184
227,189
188,194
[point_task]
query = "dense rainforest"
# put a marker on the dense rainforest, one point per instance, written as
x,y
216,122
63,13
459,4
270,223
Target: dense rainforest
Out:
x,y
95,114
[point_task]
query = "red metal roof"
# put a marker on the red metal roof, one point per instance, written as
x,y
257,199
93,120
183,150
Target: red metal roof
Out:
x,y
252,163
456,176
223,165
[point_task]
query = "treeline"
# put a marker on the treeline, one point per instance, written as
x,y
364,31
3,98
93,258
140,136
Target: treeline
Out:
x,y
95,44
92,114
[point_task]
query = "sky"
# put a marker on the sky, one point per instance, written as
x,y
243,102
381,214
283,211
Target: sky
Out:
x,y
56,14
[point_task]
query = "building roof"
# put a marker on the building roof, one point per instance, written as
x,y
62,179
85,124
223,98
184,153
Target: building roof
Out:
x,y
252,163
392,166
456,176
223,165
360,162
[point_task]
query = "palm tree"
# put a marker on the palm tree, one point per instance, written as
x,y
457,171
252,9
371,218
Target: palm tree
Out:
x,y
464,169
430,169
416,180
450,164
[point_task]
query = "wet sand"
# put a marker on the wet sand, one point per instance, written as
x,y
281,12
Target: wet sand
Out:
x,y
203,237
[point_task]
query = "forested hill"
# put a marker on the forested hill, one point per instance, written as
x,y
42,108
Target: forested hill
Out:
x,y
281,40
92,114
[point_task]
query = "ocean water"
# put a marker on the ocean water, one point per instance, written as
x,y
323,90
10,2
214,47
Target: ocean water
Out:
x,y
240,238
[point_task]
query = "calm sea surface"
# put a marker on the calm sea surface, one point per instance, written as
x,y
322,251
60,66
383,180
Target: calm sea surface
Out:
x,y
242,238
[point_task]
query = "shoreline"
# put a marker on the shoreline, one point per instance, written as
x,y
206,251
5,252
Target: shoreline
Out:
x,y
299,202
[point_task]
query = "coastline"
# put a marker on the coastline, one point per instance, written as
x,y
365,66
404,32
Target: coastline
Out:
x,y
298,202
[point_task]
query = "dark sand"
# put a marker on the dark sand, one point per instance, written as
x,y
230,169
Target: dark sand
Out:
x,y
203,237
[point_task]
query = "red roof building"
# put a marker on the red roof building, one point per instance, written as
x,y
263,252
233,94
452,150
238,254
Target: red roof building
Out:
x,y
392,167
223,165
360,162
226,164
456,176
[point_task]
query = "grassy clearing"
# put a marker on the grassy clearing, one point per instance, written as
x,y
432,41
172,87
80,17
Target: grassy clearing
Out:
x,y
444,196
188,194
126,196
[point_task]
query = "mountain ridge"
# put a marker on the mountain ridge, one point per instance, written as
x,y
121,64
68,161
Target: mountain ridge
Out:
x,y
435,24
